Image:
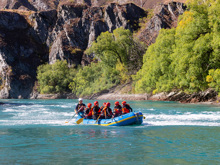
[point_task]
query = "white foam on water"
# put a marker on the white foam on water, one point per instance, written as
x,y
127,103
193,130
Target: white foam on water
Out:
x,y
187,118
64,106
179,123
36,122
38,115
61,114
151,109
184,117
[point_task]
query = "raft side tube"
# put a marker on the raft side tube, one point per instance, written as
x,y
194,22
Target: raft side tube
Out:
x,y
123,120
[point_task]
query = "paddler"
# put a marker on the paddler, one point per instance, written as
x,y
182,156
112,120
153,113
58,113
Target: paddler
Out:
x,y
103,106
88,111
117,109
95,110
106,112
80,107
126,107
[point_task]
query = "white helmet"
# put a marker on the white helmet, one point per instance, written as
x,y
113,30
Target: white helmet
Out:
x,y
80,99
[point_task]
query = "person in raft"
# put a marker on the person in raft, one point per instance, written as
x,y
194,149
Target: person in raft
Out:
x,y
88,112
126,107
117,109
106,112
103,106
95,110
80,107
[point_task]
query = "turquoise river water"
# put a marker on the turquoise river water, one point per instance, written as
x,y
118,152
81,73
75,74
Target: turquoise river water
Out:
x,y
36,132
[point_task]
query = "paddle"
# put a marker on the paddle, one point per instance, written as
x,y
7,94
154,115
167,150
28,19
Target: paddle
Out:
x,y
71,118
74,115
97,119
100,115
79,121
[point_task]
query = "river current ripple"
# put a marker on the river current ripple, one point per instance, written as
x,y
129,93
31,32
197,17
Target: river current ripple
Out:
x,y
36,132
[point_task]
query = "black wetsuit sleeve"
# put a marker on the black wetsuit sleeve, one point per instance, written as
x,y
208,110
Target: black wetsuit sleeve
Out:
x,y
128,107
77,106
131,109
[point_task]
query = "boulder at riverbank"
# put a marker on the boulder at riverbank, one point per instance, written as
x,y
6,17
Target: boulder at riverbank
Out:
x,y
209,96
54,96
206,97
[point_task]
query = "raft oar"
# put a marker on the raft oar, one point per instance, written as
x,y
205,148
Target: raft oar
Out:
x,y
70,119
97,119
99,116
79,121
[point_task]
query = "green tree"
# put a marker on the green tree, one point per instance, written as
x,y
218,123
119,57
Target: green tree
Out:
x,y
92,79
192,50
214,79
156,72
118,47
55,78
119,56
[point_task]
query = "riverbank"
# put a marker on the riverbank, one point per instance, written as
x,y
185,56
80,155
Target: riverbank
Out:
x,y
206,97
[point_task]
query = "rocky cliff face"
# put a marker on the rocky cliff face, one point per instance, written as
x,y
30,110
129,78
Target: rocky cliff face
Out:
x,y
20,54
39,5
148,4
29,39
165,16
78,26
33,5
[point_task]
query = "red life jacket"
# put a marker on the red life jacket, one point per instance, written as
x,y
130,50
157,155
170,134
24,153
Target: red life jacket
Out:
x,y
126,108
90,112
118,110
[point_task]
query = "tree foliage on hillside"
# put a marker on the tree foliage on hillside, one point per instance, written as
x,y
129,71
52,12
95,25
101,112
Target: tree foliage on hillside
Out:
x,y
55,78
118,47
181,58
119,54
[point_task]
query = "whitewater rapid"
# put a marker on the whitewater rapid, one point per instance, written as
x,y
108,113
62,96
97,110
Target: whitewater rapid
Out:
x,y
60,114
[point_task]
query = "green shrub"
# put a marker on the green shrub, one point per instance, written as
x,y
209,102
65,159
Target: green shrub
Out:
x,y
214,79
55,78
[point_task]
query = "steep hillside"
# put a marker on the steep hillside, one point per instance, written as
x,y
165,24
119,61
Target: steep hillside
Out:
x,y
38,5
164,17
29,39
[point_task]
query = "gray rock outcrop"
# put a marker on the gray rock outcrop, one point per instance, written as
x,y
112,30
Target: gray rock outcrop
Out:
x,y
20,55
79,25
29,5
165,16
29,40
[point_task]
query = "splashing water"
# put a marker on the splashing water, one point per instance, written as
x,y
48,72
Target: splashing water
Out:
x,y
60,112
36,132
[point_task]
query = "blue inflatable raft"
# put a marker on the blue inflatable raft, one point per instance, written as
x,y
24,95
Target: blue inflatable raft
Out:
x,y
123,120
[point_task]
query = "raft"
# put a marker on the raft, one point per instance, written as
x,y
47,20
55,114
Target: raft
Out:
x,y
123,120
